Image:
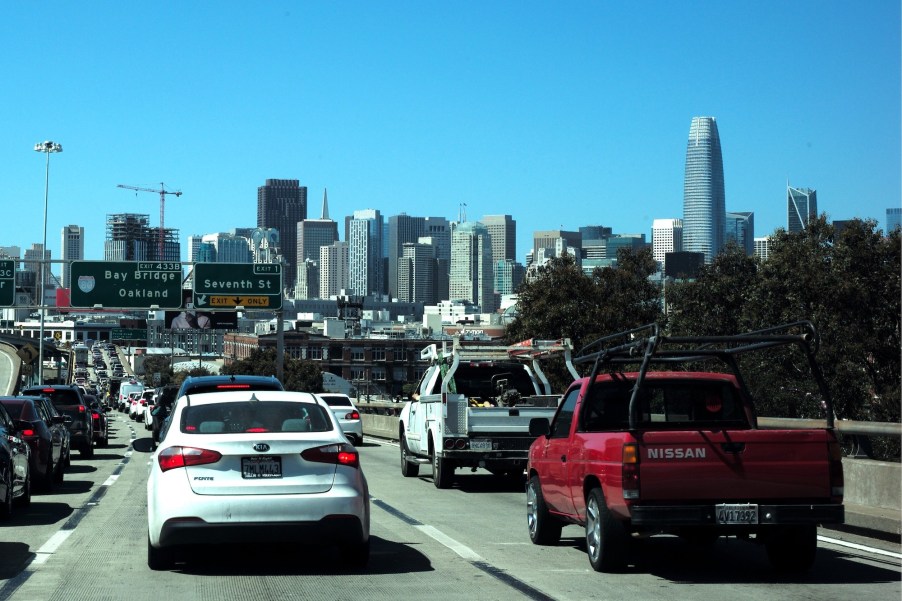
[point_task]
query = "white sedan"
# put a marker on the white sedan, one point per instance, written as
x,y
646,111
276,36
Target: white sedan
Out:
x,y
256,466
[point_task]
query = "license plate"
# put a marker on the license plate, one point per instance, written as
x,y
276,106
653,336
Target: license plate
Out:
x,y
261,467
481,444
737,513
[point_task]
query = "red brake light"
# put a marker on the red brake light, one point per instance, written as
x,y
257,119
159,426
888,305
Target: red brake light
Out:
x,y
352,415
95,415
27,432
339,454
82,409
232,386
174,457
257,430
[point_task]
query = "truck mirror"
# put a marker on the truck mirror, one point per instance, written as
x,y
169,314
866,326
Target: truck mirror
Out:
x,y
539,426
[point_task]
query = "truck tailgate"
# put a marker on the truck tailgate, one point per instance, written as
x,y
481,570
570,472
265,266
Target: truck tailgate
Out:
x,y
734,465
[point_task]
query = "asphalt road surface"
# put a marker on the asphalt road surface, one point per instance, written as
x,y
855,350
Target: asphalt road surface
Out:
x,y
87,541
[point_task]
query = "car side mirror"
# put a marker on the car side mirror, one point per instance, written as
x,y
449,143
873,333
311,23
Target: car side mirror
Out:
x,y
539,426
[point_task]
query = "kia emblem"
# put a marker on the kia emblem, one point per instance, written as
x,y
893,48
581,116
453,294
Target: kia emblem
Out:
x,y
261,447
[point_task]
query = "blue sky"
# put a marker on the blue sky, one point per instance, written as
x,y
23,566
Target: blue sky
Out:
x,y
560,114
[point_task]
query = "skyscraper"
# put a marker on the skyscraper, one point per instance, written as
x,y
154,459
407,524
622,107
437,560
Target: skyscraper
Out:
x,y
503,230
801,207
740,228
365,253
472,273
666,237
704,211
416,271
281,204
893,219
313,234
72,248
333,269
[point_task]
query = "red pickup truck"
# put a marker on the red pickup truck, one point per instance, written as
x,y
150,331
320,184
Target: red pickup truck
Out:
x,y
636,453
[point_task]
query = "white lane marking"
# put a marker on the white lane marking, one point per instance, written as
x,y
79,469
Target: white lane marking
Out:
x,y
109,481
459,548
842,543
50,547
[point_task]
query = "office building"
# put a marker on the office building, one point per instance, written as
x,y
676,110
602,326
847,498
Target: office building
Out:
x,y
704,210
365,253
503,231
313,234
404,229
227,248
129,237
333,269
762,247
740,228
472,274
893,219
555,243
801,207
72,248
508,276
281,204
666,237
416,273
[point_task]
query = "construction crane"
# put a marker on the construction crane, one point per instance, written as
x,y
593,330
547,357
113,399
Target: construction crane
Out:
x,y
162,192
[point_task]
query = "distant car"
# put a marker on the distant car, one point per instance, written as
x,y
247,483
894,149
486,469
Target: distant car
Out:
x,y
346,413
68,400
15,469
256,466
44,433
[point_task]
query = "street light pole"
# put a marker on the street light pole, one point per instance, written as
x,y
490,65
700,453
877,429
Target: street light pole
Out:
x,y
47,148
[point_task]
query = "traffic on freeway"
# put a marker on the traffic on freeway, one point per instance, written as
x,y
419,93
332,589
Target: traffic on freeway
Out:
x,y
88,540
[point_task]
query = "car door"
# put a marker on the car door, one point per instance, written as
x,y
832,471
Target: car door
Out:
x,y
552,467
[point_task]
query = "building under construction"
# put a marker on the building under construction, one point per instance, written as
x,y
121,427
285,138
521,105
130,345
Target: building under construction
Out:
x,y
129,237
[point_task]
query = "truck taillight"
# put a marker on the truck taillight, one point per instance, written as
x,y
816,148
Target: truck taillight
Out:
x,y
630,470
837,482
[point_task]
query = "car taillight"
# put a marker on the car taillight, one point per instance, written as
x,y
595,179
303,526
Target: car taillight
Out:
x,y
27,432
630,471
174,457
352,415
339,454
95,416
82,409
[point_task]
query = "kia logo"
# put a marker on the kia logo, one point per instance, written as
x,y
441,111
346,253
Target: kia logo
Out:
x,y
261,447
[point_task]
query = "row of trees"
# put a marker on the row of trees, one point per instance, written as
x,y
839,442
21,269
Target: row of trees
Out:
x,y
845,282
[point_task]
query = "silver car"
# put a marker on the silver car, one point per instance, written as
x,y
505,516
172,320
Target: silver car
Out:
x,y
256,467
346,413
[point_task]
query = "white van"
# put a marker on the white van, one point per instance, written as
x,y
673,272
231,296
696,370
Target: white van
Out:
x,y
124,389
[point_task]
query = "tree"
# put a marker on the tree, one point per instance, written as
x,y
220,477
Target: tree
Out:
x,y
299,375
160,364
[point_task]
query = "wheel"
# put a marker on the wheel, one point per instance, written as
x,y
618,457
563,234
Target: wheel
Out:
x,y
25,499
158,559
409,469
606,538
792,549
355,555
442,471
544,529
87,451
6,509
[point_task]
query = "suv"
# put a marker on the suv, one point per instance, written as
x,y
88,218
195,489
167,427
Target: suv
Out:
x,y
68,400
199,384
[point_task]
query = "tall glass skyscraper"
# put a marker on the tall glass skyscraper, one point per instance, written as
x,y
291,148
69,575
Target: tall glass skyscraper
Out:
x,y
704,212
801,207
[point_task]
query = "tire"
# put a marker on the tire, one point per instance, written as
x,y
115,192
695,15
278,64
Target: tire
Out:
x,y
442,471
355,555
6,508
25,499
544,529
409,469
158,559
607,541
792,549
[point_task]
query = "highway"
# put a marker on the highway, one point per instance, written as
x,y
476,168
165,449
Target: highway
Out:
x,y
88,541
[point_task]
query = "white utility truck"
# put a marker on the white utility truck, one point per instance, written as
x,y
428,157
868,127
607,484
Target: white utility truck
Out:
x,y
473,405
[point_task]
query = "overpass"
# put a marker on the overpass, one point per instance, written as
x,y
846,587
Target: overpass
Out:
x,y
872,488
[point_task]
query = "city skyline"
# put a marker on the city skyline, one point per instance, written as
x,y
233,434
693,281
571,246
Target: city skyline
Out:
x,y
558,117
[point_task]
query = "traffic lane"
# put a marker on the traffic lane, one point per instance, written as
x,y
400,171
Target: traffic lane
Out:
x,y
481,515
30,528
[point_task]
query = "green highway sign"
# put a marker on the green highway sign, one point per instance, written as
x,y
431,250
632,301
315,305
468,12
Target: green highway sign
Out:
x,y
230,285
128,334
126,284
7,283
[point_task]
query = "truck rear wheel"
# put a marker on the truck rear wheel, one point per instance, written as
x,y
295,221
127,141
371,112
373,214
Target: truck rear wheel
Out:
x,y
442,471
544,529
791,549
607,541
409,469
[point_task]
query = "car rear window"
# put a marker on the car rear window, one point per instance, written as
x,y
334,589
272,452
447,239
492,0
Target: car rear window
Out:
x,y
254,417
19,409
60,397
336,401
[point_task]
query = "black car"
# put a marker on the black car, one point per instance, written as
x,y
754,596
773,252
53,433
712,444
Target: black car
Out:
x,y
99,419
53,412
45,434
15,472
68,400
